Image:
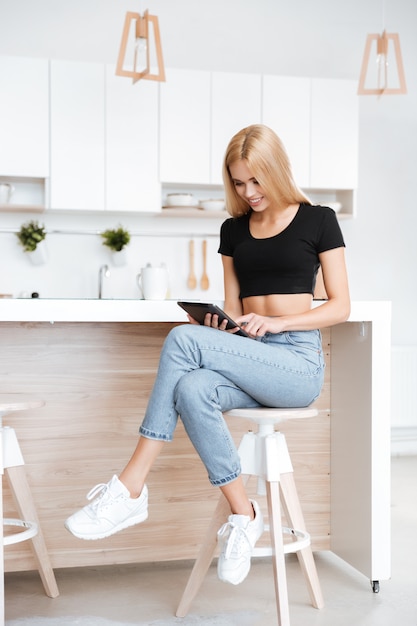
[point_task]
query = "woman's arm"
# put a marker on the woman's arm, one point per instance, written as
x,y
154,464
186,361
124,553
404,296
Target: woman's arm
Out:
x,y
336,308
232,301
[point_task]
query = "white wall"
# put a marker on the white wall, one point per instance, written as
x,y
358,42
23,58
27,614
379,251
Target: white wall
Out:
x,y
321,38
74,260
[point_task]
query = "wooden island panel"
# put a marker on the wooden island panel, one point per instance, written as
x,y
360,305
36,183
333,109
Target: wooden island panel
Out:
x,y
95,379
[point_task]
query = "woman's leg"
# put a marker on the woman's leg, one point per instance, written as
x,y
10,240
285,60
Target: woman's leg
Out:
x,y
238,536
241,375
278,370
235,494
133,476
255,373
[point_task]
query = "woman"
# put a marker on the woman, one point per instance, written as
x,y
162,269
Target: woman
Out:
x,y
272,248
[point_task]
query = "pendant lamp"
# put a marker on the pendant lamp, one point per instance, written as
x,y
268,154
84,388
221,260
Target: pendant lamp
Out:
x,y
140,41
385,76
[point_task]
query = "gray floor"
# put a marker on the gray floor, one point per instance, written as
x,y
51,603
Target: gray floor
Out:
x,y
148,594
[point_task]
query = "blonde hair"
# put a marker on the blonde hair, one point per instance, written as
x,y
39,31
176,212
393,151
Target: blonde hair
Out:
x,y
269,164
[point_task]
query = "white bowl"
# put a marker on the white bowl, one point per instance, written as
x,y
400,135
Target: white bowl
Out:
x,y
181,199
212,204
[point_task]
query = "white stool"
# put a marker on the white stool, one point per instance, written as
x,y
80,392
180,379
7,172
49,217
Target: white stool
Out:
x,y
265,454
12,464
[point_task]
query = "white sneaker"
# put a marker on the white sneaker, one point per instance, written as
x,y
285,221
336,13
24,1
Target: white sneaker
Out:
x,y
112,510
238,537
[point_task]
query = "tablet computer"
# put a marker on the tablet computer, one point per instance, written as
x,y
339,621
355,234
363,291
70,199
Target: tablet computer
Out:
x,y
198,311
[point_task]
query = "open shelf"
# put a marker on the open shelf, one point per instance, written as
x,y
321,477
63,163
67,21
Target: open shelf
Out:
x,y
29,194
192,212
344,200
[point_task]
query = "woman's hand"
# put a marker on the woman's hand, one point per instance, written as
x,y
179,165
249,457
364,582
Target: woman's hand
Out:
x,y
257,325
254,325
212,321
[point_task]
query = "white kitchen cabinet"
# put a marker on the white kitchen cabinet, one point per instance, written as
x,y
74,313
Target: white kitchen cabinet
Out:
x,y
77,135
286,108
132,182
24,117
334,133
235,103
185,127
317,119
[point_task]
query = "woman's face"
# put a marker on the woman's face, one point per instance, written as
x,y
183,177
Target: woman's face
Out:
x,y
247,187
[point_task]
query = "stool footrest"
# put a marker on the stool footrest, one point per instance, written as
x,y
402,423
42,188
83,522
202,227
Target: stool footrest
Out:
x,y
303,541
31,531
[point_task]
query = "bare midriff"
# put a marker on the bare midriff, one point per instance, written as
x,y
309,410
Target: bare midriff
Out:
x,y
276,305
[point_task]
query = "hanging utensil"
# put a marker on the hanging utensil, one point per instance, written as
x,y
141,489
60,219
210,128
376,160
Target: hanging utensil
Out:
x,y
204,283
192,279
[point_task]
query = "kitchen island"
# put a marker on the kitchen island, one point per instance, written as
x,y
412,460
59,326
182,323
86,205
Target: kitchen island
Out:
x,y
94,362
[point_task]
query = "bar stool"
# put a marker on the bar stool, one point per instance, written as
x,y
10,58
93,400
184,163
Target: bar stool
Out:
x,y
12,465
264,454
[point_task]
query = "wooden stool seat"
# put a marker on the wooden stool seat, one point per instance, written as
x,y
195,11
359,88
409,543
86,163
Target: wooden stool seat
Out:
x,y
12,465
264,454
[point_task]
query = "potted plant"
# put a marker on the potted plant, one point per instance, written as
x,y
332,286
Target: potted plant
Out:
x,y
116,239
32,237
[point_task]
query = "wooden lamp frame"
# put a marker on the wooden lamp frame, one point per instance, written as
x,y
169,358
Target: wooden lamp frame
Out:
x,y
382,49
141,31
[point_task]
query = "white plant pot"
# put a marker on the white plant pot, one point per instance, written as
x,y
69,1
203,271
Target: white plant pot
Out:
x,y
119,258
39,256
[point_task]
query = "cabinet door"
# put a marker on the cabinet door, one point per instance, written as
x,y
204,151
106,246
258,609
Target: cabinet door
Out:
x,y
131,144
185,127
24,117
235,103
77,135
334,134
286,109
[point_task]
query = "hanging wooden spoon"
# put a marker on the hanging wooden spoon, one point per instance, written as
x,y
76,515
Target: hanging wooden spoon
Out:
x,y
192,279
204,283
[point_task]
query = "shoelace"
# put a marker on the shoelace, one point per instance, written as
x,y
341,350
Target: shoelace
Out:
x,y
100,490
235,540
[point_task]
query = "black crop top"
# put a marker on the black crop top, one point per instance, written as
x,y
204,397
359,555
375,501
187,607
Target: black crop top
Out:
x,y
287,262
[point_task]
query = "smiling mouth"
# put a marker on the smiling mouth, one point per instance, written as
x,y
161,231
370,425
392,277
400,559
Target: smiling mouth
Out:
x,y
255,201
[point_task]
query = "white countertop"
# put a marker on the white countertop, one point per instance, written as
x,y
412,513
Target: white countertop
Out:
x,y
45,310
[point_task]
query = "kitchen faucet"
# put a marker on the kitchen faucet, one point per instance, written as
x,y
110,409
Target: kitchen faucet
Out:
x,y
103,272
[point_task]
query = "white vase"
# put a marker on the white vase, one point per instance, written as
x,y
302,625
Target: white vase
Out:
x,y
119,258
39,256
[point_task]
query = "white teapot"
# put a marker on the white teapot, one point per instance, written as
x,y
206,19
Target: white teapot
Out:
x,y
153,282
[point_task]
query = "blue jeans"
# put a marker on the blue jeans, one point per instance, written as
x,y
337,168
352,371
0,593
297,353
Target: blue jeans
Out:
x,y
203,372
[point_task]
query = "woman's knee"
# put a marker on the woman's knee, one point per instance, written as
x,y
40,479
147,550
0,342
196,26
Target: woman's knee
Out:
x,y
195,386
196,392
179,335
